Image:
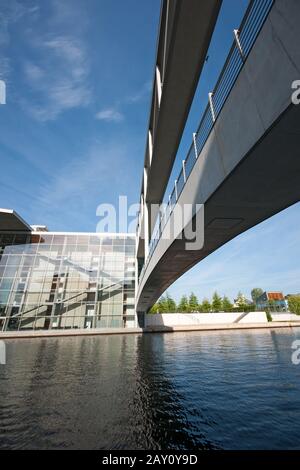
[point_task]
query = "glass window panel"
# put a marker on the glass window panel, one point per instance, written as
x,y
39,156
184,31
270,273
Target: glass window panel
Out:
x,y
94,249
10,271
82,239
71,239
28,260
94,240
4,295
35,286
107,241
118,242
32,298
44,297
70,248
46,239
14,260
82,248
56,250
4,260
58,239
117,309
44,248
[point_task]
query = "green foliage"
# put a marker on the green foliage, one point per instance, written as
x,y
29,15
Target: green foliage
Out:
x,y
170,304
226,304
154,309
162,305
183,305
294,304
216,303
272,305
205,307
255,293
193,303
241,304
166,304
269,316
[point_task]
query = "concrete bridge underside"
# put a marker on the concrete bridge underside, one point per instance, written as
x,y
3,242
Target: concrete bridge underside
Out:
x,y
185,31
249,167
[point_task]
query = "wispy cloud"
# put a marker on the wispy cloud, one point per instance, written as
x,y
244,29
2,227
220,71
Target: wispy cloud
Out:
x,y
54,58
74,192
59,79
140,94
110,115
33,72
10,12
113,113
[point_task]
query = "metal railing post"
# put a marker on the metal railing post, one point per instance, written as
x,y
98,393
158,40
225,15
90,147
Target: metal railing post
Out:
x,y
236,33
195,144
211,105
176,193
183,171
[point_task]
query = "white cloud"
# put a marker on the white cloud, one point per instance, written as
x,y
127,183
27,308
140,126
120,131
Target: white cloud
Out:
x,y
110,115
66,49
58,76
33,72
140,94
74,191
59,79
10,12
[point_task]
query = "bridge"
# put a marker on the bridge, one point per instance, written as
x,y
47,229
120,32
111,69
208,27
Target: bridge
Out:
x,y
243,163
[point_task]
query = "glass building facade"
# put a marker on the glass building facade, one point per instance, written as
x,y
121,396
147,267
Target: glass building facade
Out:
x,y
66,280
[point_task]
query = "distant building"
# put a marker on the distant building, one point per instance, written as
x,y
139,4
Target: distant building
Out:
x,y
240,301
54,280
271,300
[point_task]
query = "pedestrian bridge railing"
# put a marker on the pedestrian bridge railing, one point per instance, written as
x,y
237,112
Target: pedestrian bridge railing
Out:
x,y
244,39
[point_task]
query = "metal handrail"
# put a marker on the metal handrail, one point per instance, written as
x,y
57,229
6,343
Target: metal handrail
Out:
x,y
250,27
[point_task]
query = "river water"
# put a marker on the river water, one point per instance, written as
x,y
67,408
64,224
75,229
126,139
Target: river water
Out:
x,y
184,391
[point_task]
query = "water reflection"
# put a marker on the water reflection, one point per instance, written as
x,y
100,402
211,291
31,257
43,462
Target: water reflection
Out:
x,y
164,422
171,391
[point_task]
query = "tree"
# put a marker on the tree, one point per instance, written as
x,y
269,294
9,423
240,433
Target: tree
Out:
x,y
226,304
193,303
216,303
183,305
242,305
294,304
162,305
170,304
205,307
255,293
240,301
154,308
166,304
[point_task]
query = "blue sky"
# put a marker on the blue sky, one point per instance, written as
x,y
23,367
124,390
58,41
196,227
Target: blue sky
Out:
x,y
73,131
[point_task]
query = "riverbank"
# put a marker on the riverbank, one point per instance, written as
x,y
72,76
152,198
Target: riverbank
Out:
x,y
152,329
